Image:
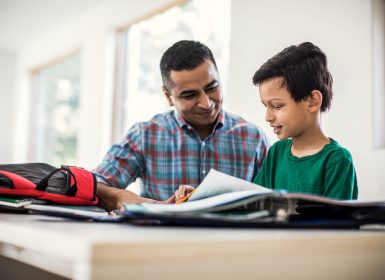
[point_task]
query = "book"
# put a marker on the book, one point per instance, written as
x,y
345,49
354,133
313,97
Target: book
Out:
x,y
243,204
67,210
14,201
36,206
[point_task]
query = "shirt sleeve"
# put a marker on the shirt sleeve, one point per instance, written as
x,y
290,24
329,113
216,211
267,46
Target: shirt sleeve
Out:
x,y
262,149
341,180
264,176
124,161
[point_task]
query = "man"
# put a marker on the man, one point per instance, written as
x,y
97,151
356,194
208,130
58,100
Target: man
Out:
x,y
179,147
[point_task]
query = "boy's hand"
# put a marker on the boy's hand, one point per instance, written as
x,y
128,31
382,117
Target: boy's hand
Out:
x,y
182,191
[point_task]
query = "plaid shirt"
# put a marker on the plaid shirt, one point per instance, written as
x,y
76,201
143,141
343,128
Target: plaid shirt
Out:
x,y
166,152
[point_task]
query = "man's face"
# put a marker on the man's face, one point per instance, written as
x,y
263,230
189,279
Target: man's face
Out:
x,y
196,95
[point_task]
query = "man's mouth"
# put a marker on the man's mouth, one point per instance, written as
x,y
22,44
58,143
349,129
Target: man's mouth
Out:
x,y
207,112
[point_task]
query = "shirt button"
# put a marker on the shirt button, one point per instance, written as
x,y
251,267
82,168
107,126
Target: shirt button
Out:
x,y
203,172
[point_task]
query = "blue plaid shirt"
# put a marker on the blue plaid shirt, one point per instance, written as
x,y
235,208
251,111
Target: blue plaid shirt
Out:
x,y
166,152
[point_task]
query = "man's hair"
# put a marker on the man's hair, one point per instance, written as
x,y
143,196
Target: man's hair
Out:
x,y
183,55
303,69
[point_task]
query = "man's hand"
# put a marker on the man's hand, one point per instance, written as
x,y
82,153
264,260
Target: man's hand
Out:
x,y
112,198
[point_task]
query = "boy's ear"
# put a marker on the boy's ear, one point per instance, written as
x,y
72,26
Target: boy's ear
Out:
x,y
168,95
315,101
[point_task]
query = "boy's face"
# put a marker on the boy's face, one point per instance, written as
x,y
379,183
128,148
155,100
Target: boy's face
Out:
x,y
287,117
196,95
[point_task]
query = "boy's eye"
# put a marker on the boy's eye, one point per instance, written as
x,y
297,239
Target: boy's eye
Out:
x,y
277,107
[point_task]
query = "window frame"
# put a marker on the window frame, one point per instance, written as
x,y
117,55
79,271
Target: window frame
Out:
x,y
33,133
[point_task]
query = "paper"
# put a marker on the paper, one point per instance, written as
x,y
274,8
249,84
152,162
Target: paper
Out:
x,y
215,192
218,183
204,205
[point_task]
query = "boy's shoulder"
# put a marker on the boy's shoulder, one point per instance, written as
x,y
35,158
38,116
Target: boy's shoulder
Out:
x,y
279,148
281,144
334,148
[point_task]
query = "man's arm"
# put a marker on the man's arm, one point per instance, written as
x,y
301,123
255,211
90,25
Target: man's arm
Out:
x,y
111,198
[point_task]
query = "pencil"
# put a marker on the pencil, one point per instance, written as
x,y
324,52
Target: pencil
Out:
x,y
185,198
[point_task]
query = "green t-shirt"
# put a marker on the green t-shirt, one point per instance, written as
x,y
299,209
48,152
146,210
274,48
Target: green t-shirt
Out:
x,y
330,172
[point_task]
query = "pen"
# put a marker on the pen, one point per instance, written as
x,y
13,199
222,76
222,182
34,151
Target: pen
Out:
x,y
185,198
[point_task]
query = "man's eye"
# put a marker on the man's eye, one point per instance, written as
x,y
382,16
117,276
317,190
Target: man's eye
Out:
x,y
212,89
189,96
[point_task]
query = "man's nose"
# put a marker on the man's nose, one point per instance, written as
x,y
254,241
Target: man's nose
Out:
x,y
204,101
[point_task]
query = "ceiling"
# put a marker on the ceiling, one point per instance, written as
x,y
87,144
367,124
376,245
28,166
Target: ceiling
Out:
x,y
23,20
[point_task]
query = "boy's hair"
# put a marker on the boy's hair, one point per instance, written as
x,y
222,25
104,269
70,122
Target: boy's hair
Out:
x,y
303,69
183,55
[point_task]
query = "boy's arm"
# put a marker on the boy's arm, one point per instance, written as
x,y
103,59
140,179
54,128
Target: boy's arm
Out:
x,y
341,181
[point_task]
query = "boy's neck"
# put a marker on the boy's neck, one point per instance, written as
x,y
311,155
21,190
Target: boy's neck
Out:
x,y
310,143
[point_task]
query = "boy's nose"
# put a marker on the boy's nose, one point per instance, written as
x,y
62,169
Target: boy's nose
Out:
x,y
269,116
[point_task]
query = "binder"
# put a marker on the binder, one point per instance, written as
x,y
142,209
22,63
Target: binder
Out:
x,y
225,201
255,210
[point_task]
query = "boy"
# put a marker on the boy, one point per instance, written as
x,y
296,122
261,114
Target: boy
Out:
x,y
295,86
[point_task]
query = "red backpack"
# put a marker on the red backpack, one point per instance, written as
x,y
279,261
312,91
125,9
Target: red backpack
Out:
x,y
65,185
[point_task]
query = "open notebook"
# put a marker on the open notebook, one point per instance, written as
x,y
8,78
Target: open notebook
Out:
x,y
223,200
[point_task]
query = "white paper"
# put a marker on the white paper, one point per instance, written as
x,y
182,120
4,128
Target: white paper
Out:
x,y
194,206
217,183
216,189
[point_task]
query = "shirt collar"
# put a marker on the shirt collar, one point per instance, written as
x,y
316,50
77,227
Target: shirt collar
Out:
x,y
183,124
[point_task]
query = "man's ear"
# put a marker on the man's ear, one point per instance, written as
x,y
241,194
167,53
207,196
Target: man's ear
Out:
x,y
315,100
168,95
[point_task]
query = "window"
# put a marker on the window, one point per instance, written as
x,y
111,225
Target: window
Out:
x,y
379,74
55,112
143,44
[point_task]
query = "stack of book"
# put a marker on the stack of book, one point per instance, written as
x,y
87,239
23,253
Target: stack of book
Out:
x,y
35,206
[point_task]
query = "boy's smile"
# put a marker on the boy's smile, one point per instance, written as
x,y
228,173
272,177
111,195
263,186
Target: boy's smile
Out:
x,y
276,129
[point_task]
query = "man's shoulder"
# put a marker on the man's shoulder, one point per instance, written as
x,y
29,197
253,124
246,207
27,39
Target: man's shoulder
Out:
x,y
161,120
235,122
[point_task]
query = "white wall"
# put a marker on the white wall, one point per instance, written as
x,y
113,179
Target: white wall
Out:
x,y
92,33
343,30
7,93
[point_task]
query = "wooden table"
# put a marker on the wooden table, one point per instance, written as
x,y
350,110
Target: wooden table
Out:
x,y
86,250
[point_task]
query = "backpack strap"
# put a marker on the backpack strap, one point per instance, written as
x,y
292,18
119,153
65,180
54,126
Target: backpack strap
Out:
x,y
43,184
80,182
